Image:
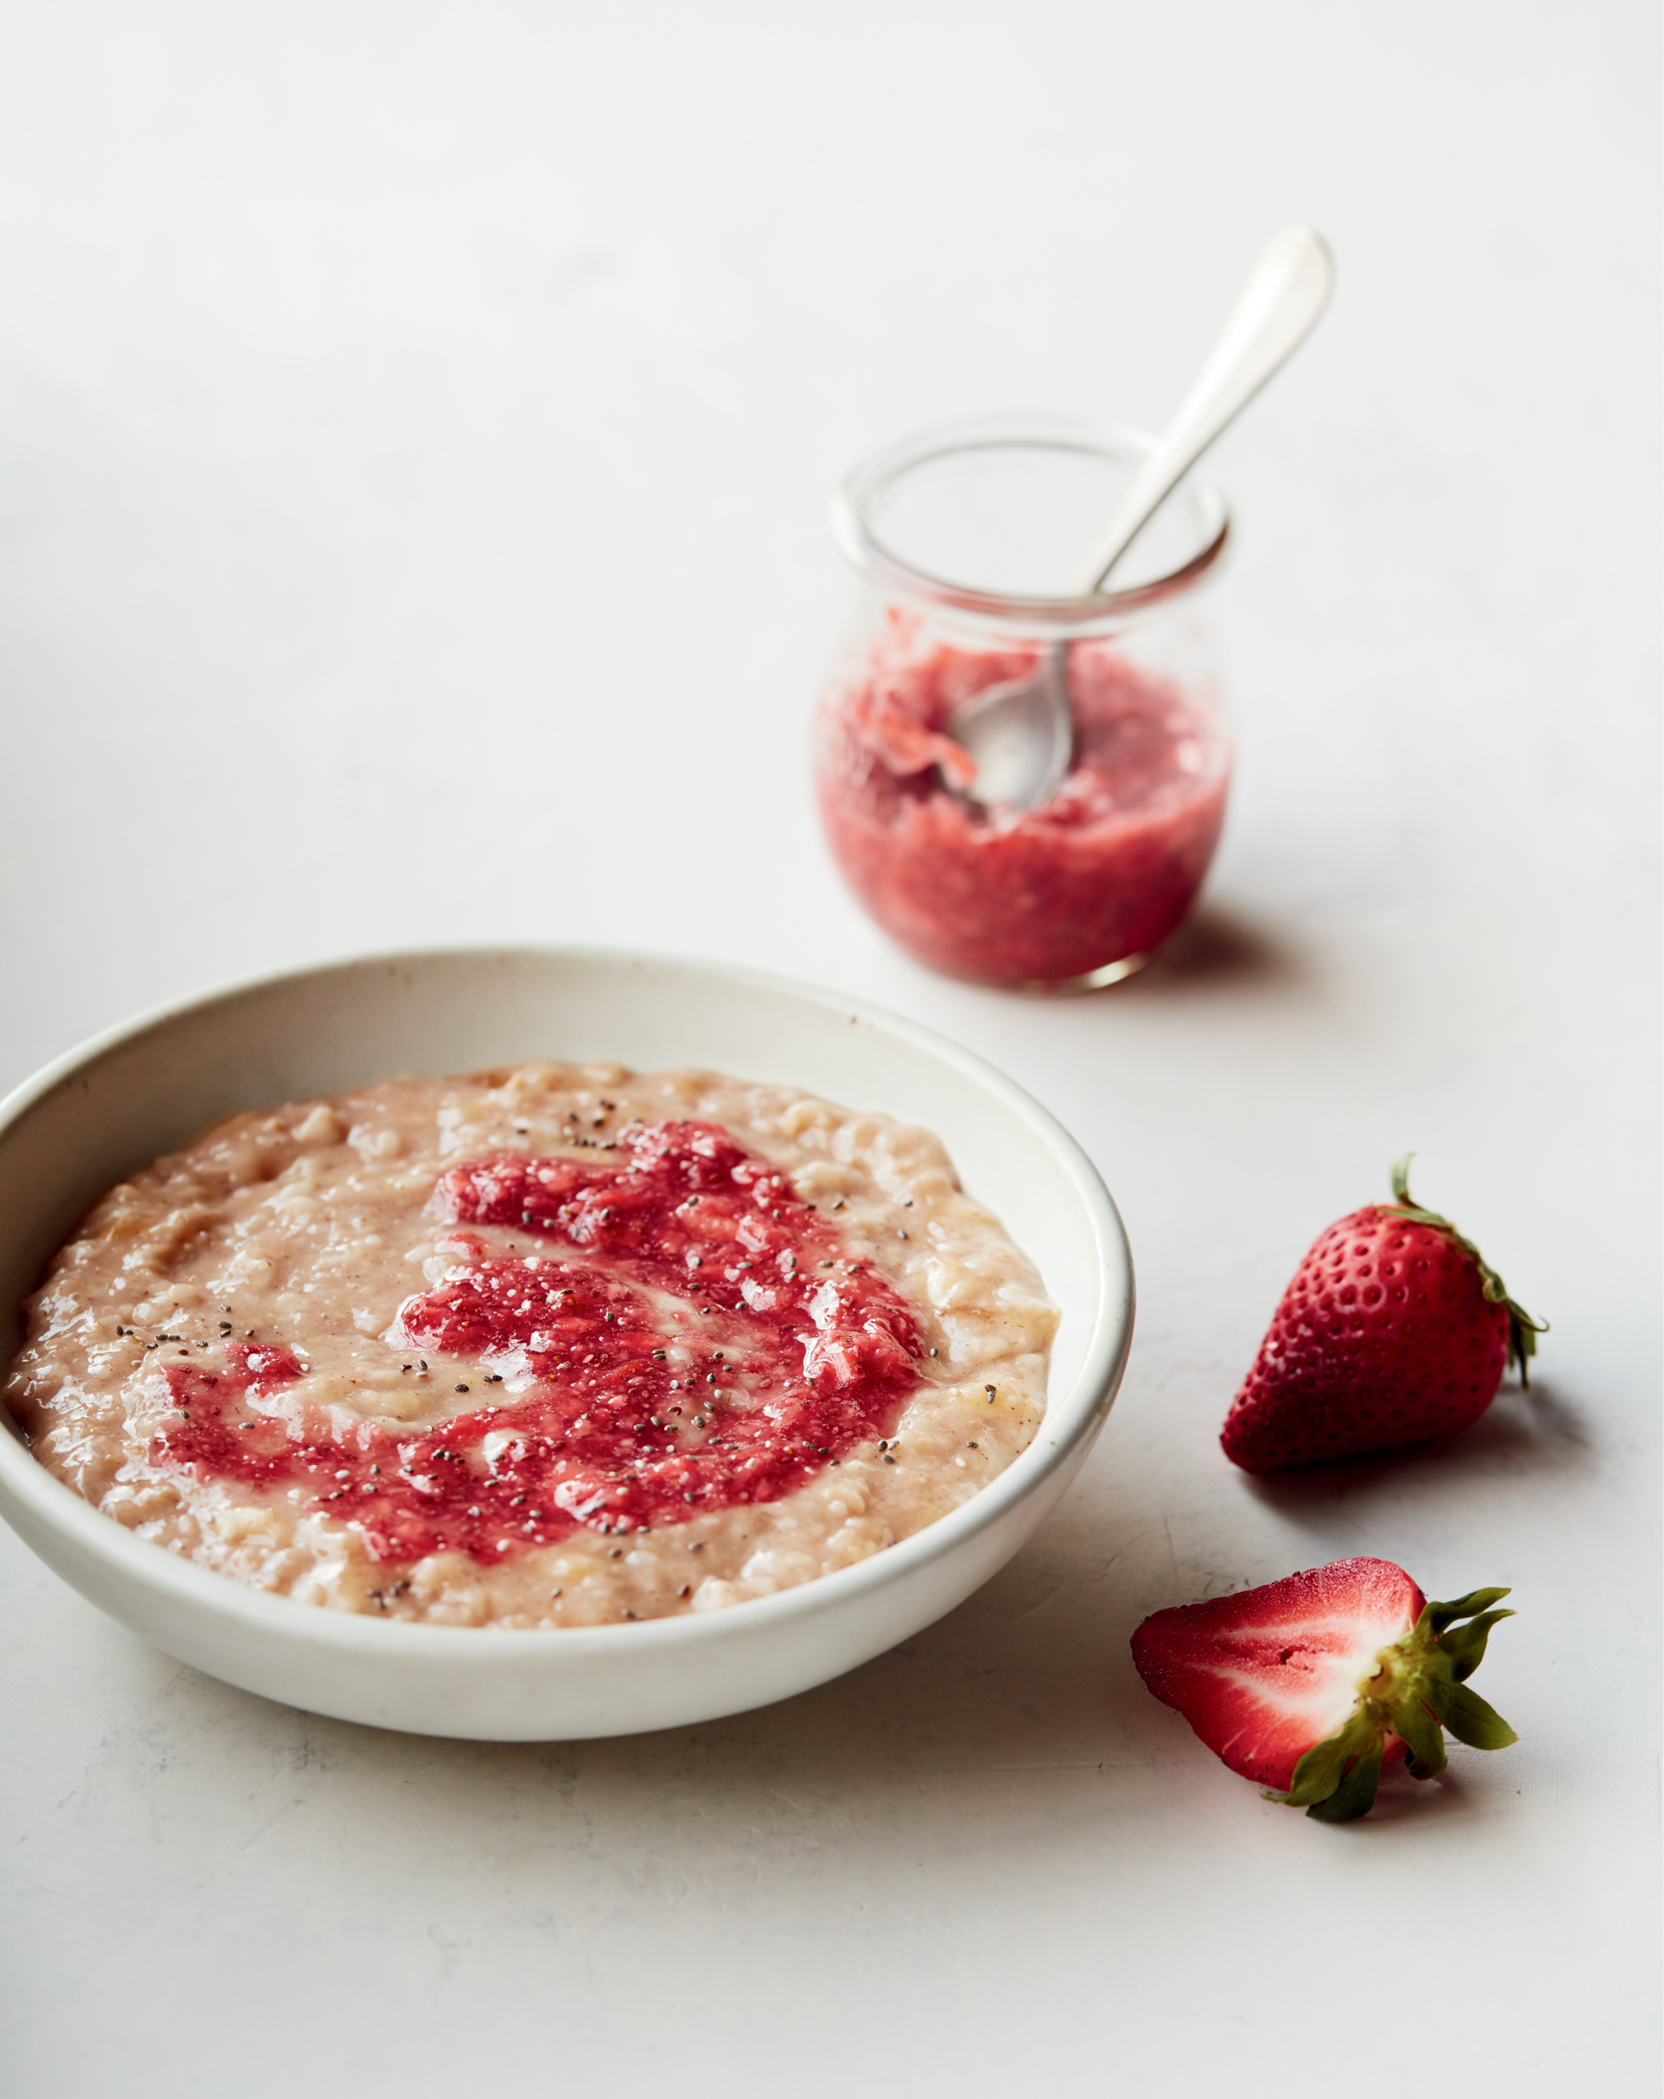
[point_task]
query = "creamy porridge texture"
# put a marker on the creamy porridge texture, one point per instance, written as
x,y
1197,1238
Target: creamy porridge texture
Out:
x,y
541,1346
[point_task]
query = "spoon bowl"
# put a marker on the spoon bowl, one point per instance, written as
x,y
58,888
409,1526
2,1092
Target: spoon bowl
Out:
x,y
1021,734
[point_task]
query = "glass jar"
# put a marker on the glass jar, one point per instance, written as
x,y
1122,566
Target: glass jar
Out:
x,y
967,543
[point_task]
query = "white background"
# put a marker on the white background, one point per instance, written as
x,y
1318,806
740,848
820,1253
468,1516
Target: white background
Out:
x,y
416,424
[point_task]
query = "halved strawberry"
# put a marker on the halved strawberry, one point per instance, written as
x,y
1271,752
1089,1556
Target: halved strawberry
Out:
x,y
1394,1330
1311,1684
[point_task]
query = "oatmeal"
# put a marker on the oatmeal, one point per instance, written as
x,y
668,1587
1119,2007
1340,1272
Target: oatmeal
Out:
x,y
551,1345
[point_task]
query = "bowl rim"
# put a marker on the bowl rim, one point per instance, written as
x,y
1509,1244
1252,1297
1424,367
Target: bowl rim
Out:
x,y
1070,1415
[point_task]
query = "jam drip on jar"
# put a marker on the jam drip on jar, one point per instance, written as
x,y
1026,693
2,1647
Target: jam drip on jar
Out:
x,y
695,1338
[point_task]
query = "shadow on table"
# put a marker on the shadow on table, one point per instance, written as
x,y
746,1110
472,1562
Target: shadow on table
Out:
x,y
1028,1683
1021,1704
1220,947
1024,1701
1017,1725
1523,1431
1017,1717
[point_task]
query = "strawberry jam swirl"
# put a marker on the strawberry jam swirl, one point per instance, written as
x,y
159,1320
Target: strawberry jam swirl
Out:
x,y
694,1337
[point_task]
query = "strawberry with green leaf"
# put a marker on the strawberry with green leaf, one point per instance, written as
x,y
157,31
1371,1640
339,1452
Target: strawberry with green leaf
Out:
x,y
1312,1684
1394,1330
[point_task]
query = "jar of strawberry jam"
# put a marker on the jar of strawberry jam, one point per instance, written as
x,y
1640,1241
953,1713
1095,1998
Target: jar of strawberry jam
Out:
x,y
967,544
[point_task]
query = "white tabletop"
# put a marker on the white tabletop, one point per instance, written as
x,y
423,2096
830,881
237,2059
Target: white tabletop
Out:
x,y
416,424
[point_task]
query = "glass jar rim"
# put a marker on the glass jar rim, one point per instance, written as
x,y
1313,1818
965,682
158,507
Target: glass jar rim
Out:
x,y
860,542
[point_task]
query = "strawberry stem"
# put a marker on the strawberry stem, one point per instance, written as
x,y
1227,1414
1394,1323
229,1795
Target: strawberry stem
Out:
x,y
1416,1689
1522,1328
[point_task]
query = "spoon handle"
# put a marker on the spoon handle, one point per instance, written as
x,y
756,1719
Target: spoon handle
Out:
x,y
1278,307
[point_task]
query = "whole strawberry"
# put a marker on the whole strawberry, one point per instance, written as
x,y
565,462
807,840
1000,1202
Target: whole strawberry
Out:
x,y
1393,1330
1311,1684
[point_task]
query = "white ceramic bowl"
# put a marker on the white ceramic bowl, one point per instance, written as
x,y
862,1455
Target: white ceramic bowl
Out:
x,y
151,1086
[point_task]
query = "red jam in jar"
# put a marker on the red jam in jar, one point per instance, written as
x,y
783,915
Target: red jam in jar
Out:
x,y
1080,890
1102,872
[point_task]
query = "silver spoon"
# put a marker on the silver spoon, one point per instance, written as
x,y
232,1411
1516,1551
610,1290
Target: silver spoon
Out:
x,y
1021,733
